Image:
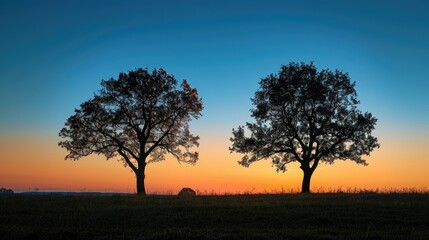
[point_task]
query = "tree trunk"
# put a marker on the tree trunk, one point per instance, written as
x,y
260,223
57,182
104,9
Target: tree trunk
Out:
x,y
141,190
306,180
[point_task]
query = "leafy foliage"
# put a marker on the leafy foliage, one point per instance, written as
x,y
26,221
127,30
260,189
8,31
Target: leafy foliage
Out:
x,y
140,116
306,116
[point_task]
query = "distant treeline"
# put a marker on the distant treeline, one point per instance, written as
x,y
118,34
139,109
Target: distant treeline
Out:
x,y
4,191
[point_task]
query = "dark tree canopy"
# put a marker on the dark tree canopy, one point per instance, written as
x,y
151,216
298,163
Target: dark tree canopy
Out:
x,y
139,117
306,116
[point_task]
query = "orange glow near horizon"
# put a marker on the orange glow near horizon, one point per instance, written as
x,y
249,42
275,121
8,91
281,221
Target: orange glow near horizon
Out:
x,y
37,163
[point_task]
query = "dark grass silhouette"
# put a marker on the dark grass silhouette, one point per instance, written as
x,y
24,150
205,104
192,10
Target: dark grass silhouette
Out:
x,y
283,216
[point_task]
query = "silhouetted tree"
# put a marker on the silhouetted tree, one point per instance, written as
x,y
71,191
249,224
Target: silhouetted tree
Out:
x,y
139,117
306,116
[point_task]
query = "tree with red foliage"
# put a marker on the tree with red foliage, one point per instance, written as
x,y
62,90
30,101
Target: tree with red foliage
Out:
x,y
139,117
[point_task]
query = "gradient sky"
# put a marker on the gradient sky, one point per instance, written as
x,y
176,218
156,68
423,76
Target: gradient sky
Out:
x,y
53,55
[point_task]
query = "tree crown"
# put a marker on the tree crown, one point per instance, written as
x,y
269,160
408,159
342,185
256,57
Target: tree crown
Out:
x,y
137,115
306,116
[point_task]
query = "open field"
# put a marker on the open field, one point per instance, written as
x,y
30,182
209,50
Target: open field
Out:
x,y
286,216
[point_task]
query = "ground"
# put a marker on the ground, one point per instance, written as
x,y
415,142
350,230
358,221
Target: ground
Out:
x,y
282,216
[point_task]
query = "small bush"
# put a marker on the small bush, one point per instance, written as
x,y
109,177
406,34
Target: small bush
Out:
x,y
187,193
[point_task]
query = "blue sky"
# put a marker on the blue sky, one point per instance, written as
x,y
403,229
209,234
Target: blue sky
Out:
x,y
53,54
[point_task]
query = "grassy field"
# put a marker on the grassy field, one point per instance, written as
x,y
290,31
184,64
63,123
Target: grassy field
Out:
x,y
286,216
